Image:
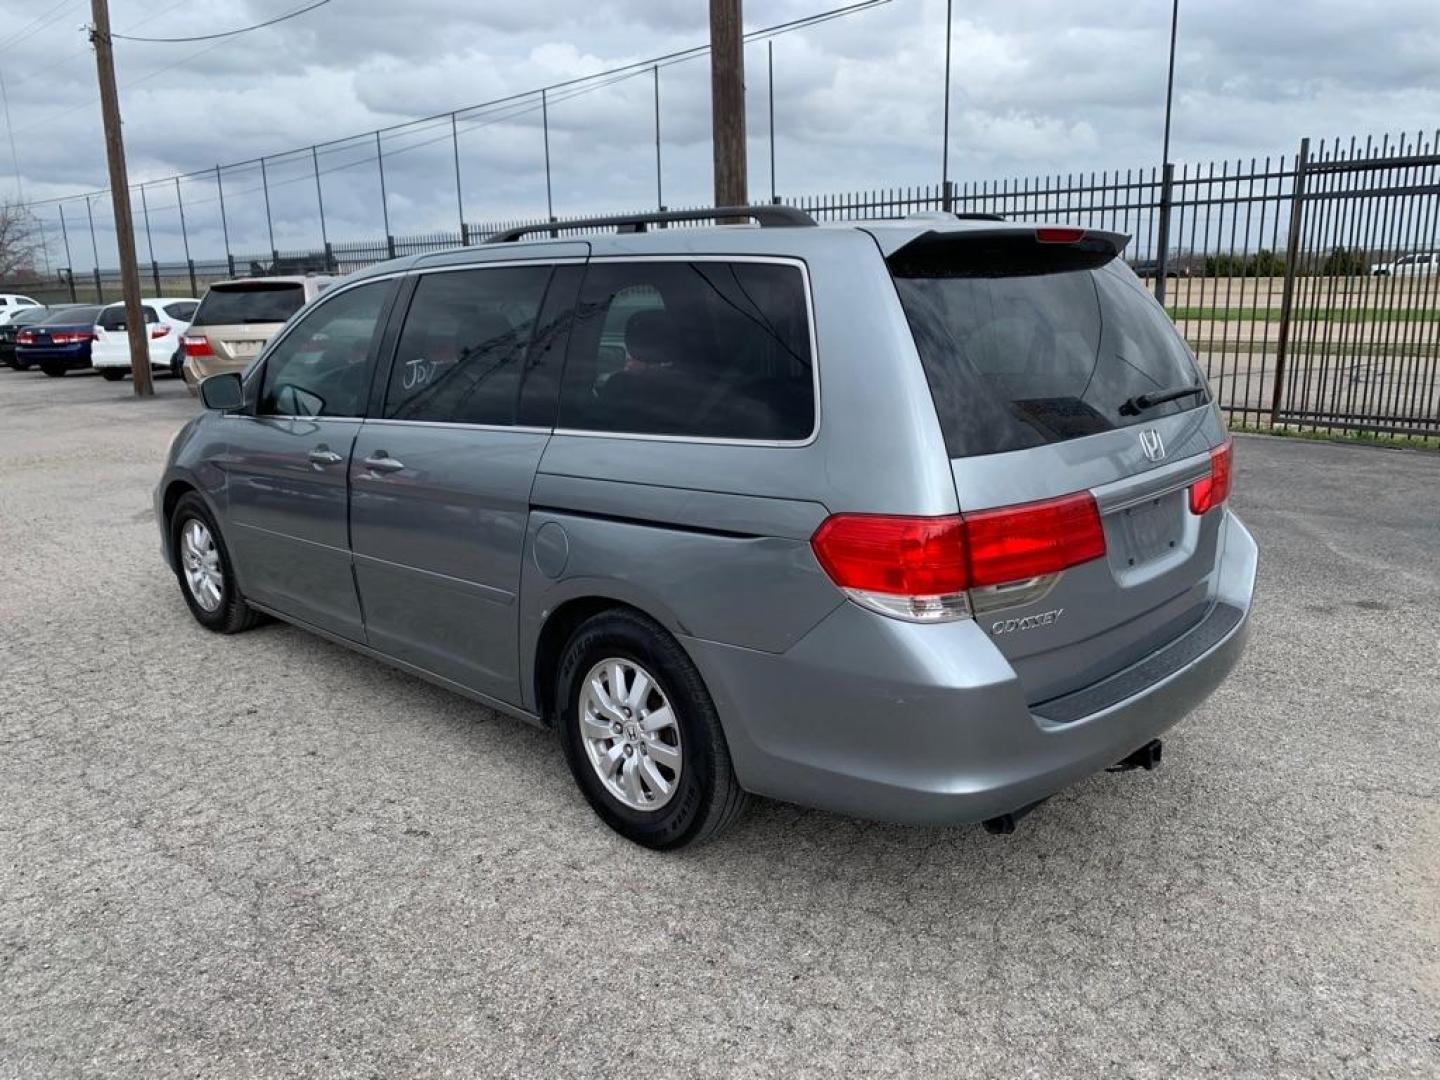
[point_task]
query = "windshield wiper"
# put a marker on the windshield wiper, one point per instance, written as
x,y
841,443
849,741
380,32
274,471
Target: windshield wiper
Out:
x,y
1140,402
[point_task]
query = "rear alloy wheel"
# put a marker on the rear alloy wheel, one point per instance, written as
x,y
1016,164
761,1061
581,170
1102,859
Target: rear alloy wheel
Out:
x,y
641,734
202,564
112,374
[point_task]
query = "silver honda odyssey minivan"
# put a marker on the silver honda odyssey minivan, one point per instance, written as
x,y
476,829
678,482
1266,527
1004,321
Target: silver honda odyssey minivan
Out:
x,y
917,520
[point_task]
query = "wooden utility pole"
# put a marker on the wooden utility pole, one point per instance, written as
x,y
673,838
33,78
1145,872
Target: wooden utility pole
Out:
x,y
727,102
139,333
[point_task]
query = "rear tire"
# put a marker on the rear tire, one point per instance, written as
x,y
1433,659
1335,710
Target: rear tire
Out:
x,y
55,371
112,374
201,557
691,800
20,365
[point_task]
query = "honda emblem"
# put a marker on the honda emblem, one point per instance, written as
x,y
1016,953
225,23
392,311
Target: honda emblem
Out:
x,y
1152,444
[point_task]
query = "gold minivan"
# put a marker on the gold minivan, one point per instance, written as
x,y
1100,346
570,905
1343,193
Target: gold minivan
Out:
x,y
236,319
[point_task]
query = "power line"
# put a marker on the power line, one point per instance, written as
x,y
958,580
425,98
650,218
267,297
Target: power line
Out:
x,y
51,63
225,34
603,78
33,27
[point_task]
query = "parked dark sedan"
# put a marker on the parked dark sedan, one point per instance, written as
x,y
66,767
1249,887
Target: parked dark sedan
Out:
x,y
21,319
58,343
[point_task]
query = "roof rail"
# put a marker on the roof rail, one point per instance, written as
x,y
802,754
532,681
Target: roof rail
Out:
x,y
767,216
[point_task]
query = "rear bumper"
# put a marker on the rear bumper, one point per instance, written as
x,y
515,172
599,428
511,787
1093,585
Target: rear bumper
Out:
x,y
77,356
122,360
892,721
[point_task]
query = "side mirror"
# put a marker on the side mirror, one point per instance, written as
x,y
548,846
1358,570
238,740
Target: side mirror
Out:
x,y
223,392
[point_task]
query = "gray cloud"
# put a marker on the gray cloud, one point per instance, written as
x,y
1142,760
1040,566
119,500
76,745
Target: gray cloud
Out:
x,y
1039,87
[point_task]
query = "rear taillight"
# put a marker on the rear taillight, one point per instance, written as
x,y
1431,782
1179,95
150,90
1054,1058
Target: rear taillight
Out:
x,y
197,345
920,568
71,337
25,337
1016,543
159,330
909,567
1214,489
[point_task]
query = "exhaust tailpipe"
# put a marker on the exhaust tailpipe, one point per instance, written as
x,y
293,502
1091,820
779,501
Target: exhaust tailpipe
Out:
x,y
1004,825
1147,758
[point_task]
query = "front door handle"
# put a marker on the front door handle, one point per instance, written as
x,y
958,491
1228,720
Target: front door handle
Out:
x,y
323,455
381,462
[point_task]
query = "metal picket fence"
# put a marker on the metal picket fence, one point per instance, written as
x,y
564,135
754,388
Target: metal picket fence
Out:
x,y
1308,284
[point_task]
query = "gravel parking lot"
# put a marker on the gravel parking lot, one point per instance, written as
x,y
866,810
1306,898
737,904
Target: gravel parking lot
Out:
x,y
264,855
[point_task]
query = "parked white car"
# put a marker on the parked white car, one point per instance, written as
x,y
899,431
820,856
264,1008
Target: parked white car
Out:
x,y
10,303
167,319
1422,262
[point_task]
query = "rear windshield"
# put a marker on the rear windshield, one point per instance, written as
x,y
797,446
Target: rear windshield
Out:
x,y
1021,359
232,305
83,315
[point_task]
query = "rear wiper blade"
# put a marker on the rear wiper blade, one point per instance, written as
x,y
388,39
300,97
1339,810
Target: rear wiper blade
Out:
x,y
1140,402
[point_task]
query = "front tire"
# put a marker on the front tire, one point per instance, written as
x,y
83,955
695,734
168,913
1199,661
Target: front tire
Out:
x,y
112,374
204,569
641,734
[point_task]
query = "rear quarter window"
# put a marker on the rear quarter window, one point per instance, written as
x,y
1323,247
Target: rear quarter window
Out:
x,y
691,349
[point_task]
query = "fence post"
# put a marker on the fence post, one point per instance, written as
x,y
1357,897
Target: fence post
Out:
x,y
464,235
70,281
194,285
224,224
185,235
331,266
947,197
99,289
389,246
230,264
1292,257
155,275
1162,234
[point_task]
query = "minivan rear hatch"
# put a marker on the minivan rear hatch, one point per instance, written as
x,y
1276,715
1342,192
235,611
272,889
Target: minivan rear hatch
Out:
x,y
239,317
1055,374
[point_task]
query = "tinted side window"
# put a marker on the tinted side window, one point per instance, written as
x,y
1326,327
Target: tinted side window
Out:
x,y
182,310
701,349
113,318
321,368
461,357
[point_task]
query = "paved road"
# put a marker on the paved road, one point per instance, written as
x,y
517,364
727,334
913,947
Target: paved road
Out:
x,y
265,856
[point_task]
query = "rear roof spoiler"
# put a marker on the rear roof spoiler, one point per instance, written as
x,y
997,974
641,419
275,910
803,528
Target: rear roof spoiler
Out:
x,y
1004,251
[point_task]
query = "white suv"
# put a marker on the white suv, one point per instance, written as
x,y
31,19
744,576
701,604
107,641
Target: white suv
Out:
x,y
1422,262
167,320
10,303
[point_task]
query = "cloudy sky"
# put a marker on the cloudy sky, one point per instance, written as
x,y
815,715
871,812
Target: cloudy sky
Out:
x,y
1039,86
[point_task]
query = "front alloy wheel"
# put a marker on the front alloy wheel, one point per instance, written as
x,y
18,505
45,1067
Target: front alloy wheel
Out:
x,y
200,560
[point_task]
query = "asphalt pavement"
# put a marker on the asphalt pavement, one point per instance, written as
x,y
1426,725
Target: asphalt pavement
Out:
x,y
266,856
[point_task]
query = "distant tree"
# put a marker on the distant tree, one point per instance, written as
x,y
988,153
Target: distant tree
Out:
x,y
19,241
1345,262
1263,263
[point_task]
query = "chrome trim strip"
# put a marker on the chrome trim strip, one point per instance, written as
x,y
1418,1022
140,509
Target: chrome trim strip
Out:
x,y
516,428
488,593
1134,490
